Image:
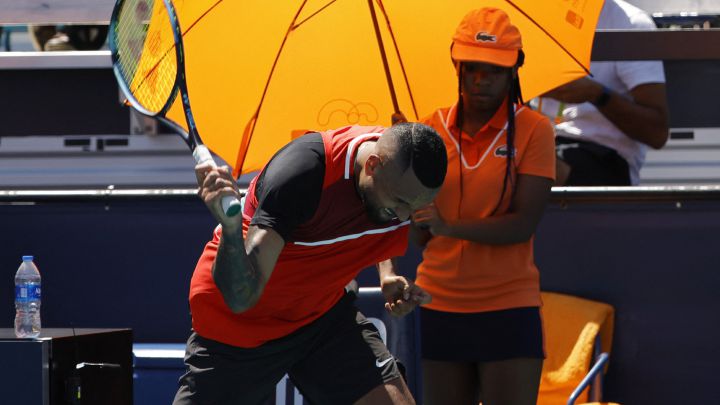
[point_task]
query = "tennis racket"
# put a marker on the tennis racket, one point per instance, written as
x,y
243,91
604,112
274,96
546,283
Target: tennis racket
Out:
x,y
149,64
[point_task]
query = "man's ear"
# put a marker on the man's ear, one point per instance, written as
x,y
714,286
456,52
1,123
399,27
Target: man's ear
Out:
x,y
372,163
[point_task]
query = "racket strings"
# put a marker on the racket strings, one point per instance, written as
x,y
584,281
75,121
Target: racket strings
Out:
x,y
146,56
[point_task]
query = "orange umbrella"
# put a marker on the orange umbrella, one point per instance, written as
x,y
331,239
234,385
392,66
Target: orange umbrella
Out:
x,y
262,72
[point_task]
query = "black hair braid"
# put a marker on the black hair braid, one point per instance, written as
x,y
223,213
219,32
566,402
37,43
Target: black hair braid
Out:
x,y
510,148
514,97
459,124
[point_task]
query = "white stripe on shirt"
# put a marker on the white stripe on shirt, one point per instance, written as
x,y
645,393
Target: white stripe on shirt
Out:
x,y
354,236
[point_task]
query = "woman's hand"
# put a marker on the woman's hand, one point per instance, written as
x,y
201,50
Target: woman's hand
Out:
x,y
429,218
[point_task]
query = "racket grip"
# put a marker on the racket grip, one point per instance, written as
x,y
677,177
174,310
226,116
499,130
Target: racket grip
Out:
x,y
230,205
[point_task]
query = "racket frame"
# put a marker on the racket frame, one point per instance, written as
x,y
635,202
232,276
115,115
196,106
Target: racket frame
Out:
x,y
231,206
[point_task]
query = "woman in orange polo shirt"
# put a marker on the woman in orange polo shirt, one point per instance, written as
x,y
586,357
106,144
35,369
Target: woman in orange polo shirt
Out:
x,y
482,337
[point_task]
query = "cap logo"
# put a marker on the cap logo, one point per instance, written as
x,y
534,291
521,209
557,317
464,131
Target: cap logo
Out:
x,y
483,36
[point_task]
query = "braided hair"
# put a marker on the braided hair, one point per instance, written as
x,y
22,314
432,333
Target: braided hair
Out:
x,y
514,97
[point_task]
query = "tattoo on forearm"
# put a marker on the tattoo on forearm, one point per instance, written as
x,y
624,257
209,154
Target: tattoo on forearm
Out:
x,y
237,277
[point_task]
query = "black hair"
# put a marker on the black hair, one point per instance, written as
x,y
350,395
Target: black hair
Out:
x,y
514,97
420,147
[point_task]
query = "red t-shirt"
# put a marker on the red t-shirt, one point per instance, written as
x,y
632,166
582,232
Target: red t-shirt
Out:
x,y
321,255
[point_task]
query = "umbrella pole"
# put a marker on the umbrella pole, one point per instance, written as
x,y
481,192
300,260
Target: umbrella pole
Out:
x,y
384,57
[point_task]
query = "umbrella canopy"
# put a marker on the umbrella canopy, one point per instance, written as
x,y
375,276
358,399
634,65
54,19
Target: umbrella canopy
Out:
x,y
263,72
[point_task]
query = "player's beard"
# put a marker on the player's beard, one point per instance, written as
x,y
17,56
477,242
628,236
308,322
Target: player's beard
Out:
x,y
375,213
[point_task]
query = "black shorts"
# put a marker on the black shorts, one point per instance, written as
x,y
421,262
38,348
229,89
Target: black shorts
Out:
x,y
337,359
592,164
482,336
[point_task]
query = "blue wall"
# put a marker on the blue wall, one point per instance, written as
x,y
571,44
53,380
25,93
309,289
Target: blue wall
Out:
x,y
657,263
108,264
127,263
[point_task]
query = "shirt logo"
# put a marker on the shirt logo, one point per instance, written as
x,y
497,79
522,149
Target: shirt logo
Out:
x,y
483,36
502,151
379,363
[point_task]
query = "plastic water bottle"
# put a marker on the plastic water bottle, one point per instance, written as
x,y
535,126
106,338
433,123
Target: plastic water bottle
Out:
x,y
27,299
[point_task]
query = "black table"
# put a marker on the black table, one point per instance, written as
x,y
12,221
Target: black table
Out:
x,y
66,366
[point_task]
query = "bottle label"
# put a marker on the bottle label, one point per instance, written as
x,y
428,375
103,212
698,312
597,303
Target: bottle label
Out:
x,y
27,292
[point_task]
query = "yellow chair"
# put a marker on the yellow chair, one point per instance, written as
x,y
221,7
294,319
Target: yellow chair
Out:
x,y
577,332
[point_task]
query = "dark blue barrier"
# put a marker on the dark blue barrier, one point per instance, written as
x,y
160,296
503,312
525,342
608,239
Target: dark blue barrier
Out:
x,y
108,263
126,261
655,258
156,370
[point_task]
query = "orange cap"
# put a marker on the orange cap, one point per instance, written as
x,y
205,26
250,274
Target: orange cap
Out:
x,y
486,35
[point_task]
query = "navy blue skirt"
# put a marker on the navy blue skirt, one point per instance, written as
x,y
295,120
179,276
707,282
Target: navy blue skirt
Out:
x,y
482,336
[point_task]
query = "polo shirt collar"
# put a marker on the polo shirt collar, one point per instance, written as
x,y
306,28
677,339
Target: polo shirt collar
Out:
x,y
498,120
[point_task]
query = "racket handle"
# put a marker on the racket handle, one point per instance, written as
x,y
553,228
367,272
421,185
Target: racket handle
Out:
x,y
230,205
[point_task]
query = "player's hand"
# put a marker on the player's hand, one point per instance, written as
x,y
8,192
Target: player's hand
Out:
x,y
402,296
428,218
216,182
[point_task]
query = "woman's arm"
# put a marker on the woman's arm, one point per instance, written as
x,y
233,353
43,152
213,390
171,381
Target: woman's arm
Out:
x,y
516,226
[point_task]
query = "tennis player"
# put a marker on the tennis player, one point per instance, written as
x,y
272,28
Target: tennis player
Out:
x,y
267,296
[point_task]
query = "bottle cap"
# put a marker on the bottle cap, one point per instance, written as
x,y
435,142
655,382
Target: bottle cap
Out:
x,y
27,258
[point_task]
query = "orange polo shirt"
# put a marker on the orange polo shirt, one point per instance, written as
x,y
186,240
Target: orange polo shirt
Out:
x,y
465,276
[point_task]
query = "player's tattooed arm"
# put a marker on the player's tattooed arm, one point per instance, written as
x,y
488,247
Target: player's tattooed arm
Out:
x,y
244,265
